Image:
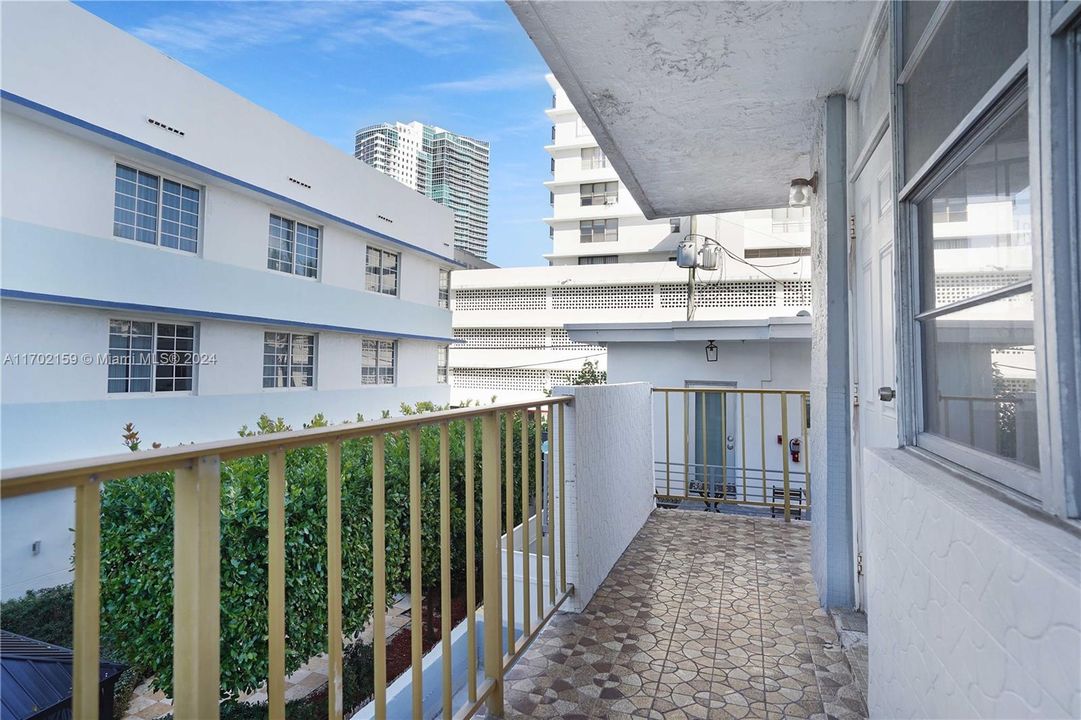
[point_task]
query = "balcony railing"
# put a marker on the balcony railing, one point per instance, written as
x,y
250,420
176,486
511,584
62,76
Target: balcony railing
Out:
x,y
725,446
197,552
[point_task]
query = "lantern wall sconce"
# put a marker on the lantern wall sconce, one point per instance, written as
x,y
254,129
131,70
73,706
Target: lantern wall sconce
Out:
x,y
711,351
800,191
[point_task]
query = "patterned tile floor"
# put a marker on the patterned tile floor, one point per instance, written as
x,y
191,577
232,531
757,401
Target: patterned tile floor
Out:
x,y
704,616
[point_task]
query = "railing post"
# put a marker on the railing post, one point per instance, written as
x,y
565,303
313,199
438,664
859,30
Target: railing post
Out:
x,y
379,574
276,586
334,580
493,591
444,566
470,564
87,620
416,612
784,457
196,590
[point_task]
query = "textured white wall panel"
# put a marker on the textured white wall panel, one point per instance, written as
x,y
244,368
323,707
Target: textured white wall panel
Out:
x,y
974,606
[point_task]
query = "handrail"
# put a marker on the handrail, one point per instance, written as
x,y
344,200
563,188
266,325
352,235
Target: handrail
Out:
x,y
774,483
734,391
30,479
197,516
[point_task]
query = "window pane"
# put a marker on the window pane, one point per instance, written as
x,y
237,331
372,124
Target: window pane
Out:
x,y
915,15
975,230
280,245
975,45
980,378
307,250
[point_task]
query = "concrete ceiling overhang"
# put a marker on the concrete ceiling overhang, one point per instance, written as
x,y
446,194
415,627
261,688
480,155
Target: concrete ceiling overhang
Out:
x,y
700,106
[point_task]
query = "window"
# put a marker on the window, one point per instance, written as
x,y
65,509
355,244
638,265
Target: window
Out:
x,y
378,361
603,193
552,168
381,274
444,288
441,364
976,310
598,259
790,219
752,253
288,360
956,68
156,210
293,247
599,230
593,159
146,356
674,225
580,129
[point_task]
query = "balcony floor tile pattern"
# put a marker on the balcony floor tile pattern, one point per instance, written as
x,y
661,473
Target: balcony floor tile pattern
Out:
x,y
704,616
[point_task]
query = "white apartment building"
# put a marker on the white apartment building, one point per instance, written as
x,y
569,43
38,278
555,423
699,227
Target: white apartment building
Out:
x,y
160,267
609,264
397,150
449,168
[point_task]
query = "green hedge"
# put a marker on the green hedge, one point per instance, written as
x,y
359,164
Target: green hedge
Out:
x,y
137,549
47,615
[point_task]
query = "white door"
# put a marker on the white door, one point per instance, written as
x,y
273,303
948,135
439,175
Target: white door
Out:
x,y
874,420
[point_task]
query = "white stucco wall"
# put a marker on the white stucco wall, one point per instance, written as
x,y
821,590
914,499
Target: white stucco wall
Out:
x,y
777,364
609,482
974,606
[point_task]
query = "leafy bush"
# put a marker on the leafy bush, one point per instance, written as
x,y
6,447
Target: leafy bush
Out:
x,y
137,548
47,615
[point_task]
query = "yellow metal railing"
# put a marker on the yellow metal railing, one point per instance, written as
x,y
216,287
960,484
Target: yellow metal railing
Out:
x,y
724,422
197,557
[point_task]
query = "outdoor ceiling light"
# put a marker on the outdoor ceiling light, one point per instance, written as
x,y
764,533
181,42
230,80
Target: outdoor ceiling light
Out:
x,y
800,191
711,351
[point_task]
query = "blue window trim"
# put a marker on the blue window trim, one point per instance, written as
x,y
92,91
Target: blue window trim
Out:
x,y
77,122
8,294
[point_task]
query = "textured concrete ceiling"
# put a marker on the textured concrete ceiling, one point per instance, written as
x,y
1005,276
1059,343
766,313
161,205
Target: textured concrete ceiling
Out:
x,y
700,106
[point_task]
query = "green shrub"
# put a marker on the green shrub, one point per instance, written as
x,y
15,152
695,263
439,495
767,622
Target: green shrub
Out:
x,y
47,615
137,548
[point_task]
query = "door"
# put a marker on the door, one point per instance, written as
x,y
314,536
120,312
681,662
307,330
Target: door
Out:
x,y
715,455
871,258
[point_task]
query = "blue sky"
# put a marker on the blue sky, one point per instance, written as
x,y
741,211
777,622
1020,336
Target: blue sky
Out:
x,y
331,67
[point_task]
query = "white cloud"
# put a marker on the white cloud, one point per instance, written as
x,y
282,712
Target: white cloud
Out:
x,y
429,28
502,80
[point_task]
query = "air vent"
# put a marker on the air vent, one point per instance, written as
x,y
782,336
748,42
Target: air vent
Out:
x,y
301,184
384,218
163,126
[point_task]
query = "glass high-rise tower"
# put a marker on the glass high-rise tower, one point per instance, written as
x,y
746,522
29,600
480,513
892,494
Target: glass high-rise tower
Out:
x,y
449,168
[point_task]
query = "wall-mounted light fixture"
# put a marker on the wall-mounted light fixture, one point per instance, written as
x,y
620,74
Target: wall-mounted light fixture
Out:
x,y
800,191
711,351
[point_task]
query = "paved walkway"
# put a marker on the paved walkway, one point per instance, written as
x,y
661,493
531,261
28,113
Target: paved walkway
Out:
x,y
704,616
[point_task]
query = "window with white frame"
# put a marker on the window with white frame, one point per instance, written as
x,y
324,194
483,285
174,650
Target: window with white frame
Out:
x,y
444,288
593,159
147,356
381,272
293,247
599,230
156,210
378,362
967,198
602,193
675,224
976,309
580,129
598,259
790,219
441,364
288,360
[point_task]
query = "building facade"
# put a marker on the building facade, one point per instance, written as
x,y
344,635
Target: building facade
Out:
x,y
160,268
940,143
609,264
449,168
